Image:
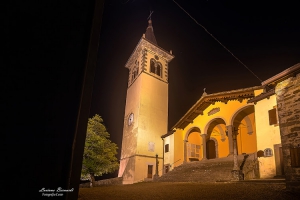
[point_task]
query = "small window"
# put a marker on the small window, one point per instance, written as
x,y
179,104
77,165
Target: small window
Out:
x,y
135,73
268,152
158,70
155,67
152,66
273,116
166,148
295,156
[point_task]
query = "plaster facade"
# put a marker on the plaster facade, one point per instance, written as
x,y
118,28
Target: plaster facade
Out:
x,y
146,112
208,128
268,136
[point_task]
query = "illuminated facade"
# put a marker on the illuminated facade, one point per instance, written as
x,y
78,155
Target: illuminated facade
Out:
x,y
207,129
146,110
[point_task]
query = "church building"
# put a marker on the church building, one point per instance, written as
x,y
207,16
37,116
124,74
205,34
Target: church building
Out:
x,y
247,121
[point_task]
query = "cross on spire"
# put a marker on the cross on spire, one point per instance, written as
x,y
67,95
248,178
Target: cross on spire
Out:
x,y
150,14
149,35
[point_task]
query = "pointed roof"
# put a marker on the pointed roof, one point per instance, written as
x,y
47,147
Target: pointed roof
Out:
x,y
149,35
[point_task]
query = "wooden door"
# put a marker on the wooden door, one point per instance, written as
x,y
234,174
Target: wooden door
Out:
x,y
150,171
210,149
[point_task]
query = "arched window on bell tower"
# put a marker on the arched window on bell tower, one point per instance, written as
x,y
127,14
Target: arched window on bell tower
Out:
x,y
158,69
152,66
155,67
135,71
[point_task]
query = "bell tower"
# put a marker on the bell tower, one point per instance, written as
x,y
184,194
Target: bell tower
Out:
x,y
146,110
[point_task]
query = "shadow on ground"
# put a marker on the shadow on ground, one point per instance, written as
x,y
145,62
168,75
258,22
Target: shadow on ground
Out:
x,y
180,190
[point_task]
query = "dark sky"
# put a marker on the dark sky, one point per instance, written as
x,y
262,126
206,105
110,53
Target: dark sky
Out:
x,y
265,37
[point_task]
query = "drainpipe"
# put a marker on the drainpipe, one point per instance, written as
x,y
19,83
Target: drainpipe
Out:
x,y
163,163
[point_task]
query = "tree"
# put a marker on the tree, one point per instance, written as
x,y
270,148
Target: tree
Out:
x,y
99,155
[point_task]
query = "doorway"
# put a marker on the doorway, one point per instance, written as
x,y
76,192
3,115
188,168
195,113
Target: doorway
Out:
x,y
210,149
150,171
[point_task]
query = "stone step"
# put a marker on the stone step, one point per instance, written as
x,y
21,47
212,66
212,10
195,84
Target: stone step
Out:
x,y
211,170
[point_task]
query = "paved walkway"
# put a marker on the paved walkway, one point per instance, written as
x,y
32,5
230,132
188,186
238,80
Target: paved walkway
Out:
x,y
183,190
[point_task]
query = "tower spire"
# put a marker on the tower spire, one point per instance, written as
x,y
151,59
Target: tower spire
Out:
x,y
149,35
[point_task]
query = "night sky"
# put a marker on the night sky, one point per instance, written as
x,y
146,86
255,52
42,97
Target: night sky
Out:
x,y
45,45
265,37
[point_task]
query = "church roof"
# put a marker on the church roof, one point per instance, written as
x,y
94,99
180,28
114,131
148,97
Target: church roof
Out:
x,y
149,35
167,134
269,84
262,96
207,99
289,72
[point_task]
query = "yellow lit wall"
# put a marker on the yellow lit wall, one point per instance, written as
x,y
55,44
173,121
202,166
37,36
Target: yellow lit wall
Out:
x,y
267,136
178,147
147,99
195,138
169,156
225,116
223,149
246,141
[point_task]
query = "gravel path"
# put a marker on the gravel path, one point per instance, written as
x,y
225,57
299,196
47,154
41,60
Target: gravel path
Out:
x,y
177,190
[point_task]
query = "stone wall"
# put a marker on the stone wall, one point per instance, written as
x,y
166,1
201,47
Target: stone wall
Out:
x,y
111,181
288,102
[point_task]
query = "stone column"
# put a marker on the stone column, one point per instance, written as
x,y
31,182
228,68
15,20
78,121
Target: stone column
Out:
x,y
230,141
185,151
235,159
204,146
155,177
237,174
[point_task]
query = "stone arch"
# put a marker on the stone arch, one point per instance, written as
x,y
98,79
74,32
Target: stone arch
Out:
x,y
193,129
215,124
218,120
243,113
245,108
189,147
249,125
222,133
246,142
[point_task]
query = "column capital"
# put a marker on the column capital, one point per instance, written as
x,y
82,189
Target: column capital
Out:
x,y
185,140
203,135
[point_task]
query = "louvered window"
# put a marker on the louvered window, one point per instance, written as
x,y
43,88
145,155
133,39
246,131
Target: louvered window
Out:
x,y
273,116
167,148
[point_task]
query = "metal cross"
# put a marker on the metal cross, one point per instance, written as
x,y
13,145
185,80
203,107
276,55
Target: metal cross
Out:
x,y
150,14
